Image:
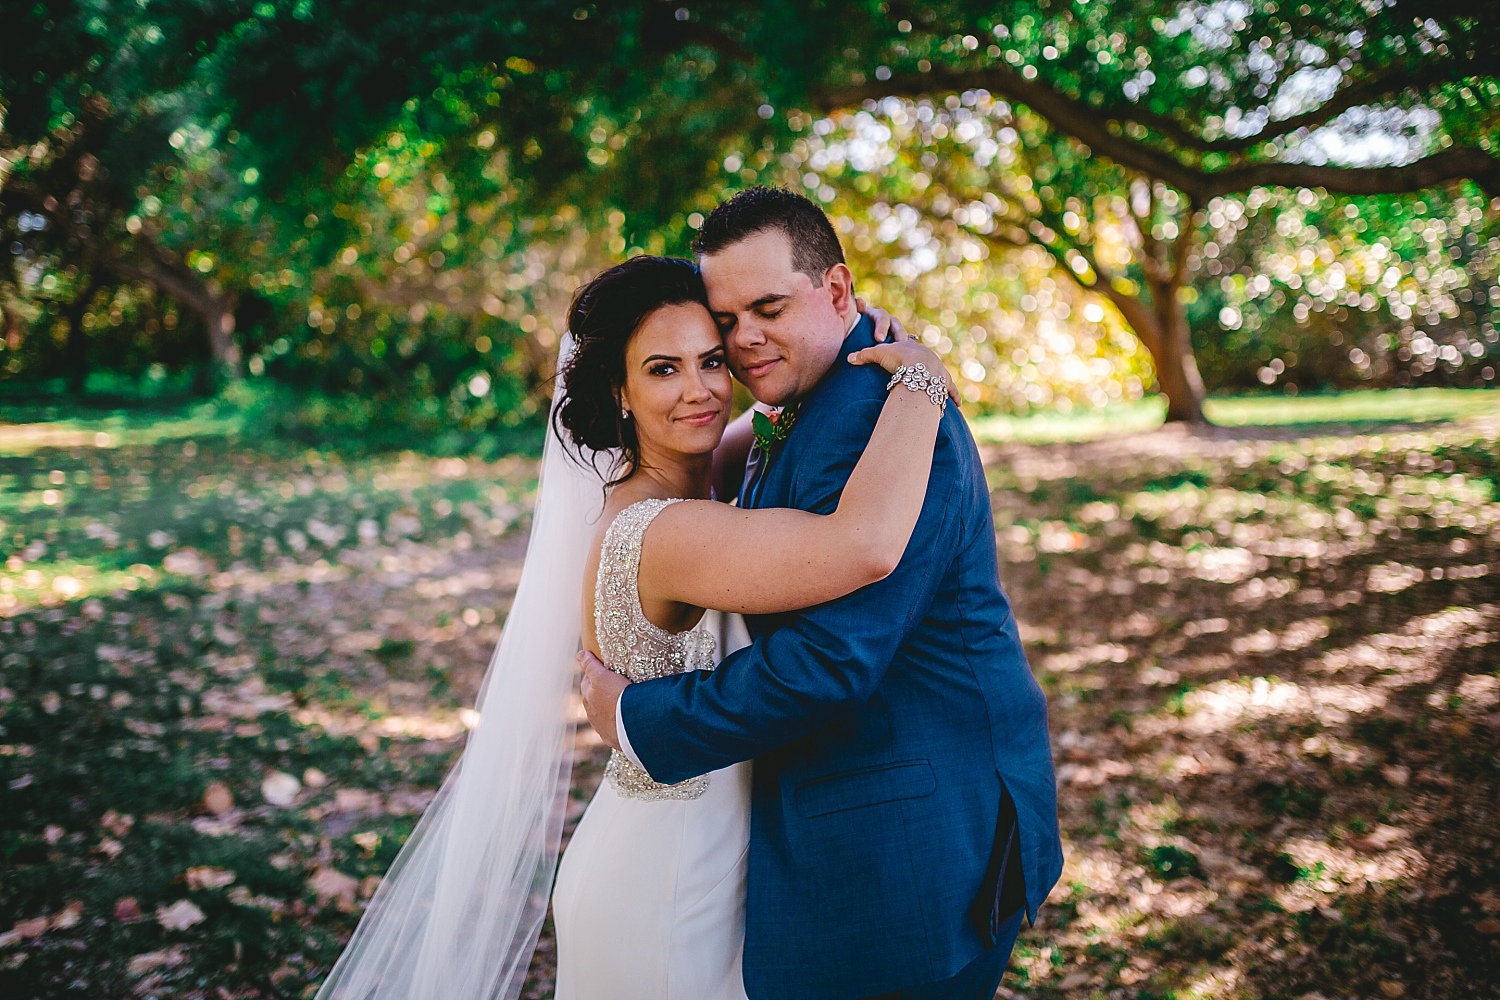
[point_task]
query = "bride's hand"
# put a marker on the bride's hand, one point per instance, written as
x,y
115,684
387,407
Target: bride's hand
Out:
x,y
887,327
891,356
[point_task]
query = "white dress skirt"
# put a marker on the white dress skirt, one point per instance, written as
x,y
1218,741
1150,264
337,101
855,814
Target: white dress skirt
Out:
x,y
650,896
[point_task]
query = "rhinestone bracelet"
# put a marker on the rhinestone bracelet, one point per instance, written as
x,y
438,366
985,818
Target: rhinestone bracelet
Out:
x,y
918,379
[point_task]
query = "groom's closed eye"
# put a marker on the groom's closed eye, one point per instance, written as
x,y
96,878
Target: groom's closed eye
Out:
x,y
769,306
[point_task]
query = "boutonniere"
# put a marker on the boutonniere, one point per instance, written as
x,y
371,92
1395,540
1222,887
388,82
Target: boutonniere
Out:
x,y
773,427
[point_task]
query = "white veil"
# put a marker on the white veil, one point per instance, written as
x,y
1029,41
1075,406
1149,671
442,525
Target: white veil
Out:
x,y
458,914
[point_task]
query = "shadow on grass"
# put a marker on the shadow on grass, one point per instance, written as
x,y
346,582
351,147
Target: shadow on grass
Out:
x,y
1275,660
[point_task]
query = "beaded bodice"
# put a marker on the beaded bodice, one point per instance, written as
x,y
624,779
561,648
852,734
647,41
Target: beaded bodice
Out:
x,y
634,647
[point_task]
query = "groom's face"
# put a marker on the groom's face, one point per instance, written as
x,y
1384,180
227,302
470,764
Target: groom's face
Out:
x,y
782,329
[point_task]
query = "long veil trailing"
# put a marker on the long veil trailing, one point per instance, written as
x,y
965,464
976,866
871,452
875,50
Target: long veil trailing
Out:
x,y
458,914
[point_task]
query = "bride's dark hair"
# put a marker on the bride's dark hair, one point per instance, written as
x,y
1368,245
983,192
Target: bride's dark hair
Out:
x,y
604,315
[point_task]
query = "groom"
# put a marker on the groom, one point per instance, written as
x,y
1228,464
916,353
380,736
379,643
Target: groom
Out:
x,y
904,811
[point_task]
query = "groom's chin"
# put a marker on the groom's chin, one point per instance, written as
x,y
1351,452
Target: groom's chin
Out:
x,y
767,390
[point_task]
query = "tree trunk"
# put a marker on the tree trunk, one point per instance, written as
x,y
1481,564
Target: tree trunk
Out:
x,y
1176,368
78,343
211,304
1162,329
218,316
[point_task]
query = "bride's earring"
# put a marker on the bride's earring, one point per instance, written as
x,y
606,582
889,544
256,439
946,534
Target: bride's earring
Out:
x,y
624,413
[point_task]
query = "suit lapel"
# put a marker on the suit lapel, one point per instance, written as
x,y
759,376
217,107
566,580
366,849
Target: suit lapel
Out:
x,y
755,468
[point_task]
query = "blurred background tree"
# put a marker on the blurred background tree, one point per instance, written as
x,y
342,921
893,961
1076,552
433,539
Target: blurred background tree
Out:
x,y
362,215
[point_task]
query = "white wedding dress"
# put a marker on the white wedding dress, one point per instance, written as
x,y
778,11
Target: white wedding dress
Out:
x,y
650,895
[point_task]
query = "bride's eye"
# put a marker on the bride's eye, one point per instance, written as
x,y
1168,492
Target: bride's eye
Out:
x,y
715,362
662,369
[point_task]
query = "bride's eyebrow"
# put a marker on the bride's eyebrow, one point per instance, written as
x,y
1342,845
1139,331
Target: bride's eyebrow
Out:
x,y
662,357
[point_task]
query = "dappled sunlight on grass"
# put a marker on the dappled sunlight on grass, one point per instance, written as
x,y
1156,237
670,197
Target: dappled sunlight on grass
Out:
x,y
25,430
1271,661
260,670
1270,656
1404,405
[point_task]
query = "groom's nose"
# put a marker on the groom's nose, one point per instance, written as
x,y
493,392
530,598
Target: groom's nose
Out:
x,y
747,333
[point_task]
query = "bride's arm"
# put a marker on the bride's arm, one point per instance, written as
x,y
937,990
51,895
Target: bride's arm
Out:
x,y
779,559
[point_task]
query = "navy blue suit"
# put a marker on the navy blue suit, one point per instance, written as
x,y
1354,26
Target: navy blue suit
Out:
x,y
885,727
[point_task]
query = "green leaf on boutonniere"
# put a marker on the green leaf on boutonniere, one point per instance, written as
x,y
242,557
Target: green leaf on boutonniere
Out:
x,y
774,427
763,428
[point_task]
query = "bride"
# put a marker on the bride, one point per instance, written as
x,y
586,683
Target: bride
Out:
x,y
629,547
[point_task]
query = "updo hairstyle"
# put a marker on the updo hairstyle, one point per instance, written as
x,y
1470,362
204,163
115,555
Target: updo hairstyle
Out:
x,y
604,315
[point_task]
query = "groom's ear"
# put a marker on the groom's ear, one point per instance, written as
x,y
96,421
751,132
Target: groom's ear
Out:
x,y
840,283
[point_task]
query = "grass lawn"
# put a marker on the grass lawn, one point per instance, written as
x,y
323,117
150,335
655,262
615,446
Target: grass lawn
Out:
x,y
1353,408
233,673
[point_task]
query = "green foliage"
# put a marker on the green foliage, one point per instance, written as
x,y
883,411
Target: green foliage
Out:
x,y
1314,291
373,191
1172,862
134,685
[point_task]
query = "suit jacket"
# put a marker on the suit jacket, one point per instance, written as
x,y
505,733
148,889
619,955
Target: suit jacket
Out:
x,y
885,727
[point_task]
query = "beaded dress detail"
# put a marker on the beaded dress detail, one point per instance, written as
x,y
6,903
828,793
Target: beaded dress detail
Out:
x,y
637,649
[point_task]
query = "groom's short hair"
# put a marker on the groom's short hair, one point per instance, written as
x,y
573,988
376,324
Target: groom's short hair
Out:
x,y
815,246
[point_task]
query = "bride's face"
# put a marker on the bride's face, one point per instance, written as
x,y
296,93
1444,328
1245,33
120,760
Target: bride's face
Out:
x,y
677,385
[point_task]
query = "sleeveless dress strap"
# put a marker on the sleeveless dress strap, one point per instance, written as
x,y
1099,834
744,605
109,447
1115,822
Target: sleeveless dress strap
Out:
x,y
618,617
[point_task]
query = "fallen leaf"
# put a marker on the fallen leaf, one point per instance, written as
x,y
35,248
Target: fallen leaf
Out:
x,y
167,958
127,910
116,823
1488,926
356,800
217,798
314,778
280,788
207,877
1391,988
1073,980
179,916
210,826
1378,839
27,929
332,884
66,917
1398,775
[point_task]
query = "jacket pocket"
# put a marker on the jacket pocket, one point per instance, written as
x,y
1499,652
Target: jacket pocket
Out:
x,y
908,779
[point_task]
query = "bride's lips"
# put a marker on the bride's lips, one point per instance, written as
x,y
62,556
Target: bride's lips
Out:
x,y
700,419
761,367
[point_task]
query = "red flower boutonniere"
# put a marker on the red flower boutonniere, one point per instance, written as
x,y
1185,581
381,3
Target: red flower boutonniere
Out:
x,y
773,427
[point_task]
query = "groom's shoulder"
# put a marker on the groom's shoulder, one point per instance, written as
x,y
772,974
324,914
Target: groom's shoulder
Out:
x,y
848,402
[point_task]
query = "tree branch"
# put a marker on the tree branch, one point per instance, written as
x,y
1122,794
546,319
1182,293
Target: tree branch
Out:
x,y
1356,95
1096,129
1453,164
